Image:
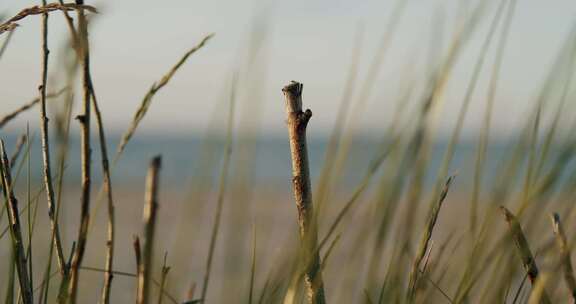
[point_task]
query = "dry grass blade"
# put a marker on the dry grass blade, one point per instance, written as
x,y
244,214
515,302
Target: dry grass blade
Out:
x,y
15,227
150,215
297,123
10,24
5,43
18,149
564,249
425,239
147,100
523,250
10,116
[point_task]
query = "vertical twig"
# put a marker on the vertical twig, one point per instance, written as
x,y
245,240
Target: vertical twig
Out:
x,y
297,122
108,189
150,214
48,184
15,228
84,120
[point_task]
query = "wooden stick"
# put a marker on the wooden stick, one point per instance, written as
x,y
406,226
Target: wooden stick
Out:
x,y
297,123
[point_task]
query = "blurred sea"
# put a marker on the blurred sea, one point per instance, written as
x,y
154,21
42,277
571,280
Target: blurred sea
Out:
x,y
183,156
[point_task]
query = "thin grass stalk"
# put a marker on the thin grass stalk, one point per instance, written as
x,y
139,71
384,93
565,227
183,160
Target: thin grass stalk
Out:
x,y
31,220
366,91
150,219
15,228
253,267
147,100
464,285
551,134
63,122
538,293
487,119
418,154
425,240
519,290
455,137
221,193
163,279
139,272
47,168
567,269
11,281
110,236
70,24
37,194
86,152
297,123
5,43
131,275
10,116
107,184
531,166
523,250
22,140
326,172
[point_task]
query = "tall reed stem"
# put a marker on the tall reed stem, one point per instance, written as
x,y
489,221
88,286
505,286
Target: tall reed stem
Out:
x,y
48,184
86,151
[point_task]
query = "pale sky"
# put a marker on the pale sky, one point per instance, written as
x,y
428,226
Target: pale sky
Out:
x,y
136,41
